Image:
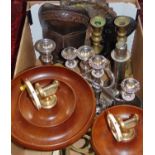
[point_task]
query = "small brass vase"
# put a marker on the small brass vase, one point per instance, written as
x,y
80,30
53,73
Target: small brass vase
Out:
x,y
97,24
122,23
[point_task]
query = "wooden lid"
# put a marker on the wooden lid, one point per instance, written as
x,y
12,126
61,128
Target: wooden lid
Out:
x,y
52,137
103,141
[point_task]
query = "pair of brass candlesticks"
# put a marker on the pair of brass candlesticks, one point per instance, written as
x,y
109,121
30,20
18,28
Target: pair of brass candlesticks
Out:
x,y
98,23
42,97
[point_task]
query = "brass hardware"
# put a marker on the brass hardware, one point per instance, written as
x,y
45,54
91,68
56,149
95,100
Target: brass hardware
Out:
x,y
122,23
42,97
123,130
97,24
48,90
49,102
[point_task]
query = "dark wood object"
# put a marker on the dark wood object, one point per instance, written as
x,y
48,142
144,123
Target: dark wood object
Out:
x,y
64,25
103,140
65,133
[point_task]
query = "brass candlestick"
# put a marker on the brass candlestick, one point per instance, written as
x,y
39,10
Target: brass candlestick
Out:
x,y
122,23
97,24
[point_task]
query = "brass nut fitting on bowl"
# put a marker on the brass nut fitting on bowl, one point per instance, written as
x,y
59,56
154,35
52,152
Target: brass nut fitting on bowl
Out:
x,y
42,97
122,130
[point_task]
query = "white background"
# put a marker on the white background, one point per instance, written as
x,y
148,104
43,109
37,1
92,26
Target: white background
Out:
x,y
149,77
5,77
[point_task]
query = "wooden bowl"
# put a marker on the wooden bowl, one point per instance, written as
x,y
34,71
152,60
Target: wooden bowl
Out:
x,y
54,137
55,116
103,141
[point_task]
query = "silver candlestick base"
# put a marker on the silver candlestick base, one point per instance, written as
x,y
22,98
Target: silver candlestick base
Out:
x,y
45,47
84,53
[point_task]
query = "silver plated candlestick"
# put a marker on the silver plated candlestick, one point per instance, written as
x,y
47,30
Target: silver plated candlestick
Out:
x,y
45,47
129,87
84,53
98,63
70,53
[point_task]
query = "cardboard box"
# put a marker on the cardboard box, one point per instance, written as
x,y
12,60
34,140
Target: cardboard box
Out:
x,y
26,59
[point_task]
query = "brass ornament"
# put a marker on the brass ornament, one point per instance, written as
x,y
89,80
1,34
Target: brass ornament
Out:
x,y
42,97
123,130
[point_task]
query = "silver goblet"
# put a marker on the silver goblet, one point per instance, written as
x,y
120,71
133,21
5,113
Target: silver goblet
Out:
x,y
45,47
84,53
70,54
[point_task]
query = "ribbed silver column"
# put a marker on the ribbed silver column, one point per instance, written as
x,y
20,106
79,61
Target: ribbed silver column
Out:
x,y
120,56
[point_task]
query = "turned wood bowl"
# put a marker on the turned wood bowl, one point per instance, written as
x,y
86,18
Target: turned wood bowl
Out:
x,y
103,141
37,135
55,116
